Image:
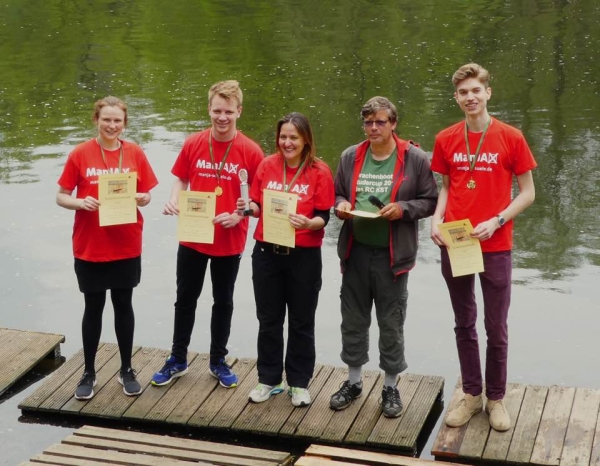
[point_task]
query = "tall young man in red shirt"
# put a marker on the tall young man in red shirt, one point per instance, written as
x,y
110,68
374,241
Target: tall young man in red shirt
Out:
x,y
211,160
478,186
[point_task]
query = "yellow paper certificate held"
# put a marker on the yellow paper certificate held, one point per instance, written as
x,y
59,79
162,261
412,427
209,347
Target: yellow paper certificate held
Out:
x,y
276,223
116,194
196,213
464,251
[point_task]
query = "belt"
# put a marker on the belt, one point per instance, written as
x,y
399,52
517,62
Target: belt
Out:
x,y
281,250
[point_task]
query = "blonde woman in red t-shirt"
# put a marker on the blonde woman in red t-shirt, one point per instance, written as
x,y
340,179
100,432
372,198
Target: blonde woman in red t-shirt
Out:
x,y
106,257
289,278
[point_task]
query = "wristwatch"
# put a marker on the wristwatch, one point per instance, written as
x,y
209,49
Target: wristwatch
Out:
x,y
501,220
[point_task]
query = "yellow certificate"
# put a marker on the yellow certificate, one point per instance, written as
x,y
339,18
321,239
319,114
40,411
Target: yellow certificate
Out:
x,y
277,228
361,213
116,194
196,213
464,251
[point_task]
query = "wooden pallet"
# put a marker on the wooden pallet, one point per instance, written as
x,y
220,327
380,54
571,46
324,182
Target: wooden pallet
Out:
x,y
550,426
21,351
197,401
322,455
95,446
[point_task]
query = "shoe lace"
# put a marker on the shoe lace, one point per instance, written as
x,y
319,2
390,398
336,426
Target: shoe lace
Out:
x,y
128,375
87,378
344,391
222,368
392,396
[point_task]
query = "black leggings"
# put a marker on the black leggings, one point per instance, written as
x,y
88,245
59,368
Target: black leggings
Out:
x,y
91,325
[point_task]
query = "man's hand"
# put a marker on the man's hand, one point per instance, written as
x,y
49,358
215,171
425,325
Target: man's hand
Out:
x,y
227,220
171,208
436,235
485,230
392,211
342,210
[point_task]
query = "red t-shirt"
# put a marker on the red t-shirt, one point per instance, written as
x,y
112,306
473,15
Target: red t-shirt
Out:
x,y
504,153
194,164
91,242
314,187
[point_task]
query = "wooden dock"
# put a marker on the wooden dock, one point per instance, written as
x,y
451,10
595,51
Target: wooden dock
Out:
x,y
551,426
96,446
197,402
21,351
322,455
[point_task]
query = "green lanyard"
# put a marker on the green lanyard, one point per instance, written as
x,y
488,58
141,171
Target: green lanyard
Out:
x,y
473,158
218,190
104,155
287,188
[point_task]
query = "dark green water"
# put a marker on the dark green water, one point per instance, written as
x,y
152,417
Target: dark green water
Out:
x,y
324,59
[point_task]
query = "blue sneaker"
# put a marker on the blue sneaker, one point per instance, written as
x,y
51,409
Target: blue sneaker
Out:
x,y
224,373
170,370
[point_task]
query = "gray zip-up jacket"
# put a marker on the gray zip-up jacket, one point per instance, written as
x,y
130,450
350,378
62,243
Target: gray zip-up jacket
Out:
x,y
413,188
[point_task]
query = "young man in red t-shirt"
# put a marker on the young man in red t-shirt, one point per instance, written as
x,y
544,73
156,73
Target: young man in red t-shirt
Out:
x,y
478,186
211,160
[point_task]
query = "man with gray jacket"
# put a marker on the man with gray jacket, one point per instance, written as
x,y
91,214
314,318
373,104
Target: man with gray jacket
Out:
x,y
391,180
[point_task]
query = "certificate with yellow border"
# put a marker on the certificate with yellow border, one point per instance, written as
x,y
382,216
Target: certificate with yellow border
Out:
x,y
116,194
276,208
464,251
196,213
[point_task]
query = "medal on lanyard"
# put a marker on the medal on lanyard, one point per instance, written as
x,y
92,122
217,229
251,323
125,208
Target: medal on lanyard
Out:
x,y
218,189
473,158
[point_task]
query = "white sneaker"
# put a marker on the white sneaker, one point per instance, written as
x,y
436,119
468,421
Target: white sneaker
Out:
x,y
300,396
263,392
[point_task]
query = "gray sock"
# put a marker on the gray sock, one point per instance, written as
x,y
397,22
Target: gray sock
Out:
x,y
354,374
390,380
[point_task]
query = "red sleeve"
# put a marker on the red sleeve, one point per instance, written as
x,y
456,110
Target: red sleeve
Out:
x,y
438,161
69,179
181,167
255,187
254,160
324,191
523,158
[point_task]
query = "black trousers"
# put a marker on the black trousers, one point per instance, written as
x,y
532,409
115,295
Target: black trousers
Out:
x,y
191,269
283,278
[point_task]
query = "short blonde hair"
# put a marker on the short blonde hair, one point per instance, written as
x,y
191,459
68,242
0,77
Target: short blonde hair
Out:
x,y
109,101
228,90
471,70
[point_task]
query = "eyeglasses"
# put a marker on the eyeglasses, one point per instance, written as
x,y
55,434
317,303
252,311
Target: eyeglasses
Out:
x,y
370,123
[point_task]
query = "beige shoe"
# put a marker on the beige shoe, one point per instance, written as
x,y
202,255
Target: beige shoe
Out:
x,y
499,419
468,407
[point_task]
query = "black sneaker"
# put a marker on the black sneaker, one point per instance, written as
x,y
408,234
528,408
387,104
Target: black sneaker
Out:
x,y
345,395
391,404
85,387
131,386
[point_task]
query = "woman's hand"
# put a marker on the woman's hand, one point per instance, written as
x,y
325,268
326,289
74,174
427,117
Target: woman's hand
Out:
x,y
142,199
89,203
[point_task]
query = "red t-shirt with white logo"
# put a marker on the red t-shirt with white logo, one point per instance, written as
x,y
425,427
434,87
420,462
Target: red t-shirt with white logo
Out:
x,y
194,164
504,153
314,187
91,242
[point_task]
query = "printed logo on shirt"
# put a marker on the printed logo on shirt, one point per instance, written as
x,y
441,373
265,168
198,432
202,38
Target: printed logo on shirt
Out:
x,y
92,171
373,183
485,157
297,188
231,168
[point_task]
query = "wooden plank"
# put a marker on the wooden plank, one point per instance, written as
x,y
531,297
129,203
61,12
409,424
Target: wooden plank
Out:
x,y
24,351
180,443
411,424
318,384
56,380
448,441
498,443
319,414
112,457
244,368
62,461
368,414
369,457
582,425
318,461
166,453
179,392
107,374
385,428
233,401
268,417
342,421
595,456
144,403
527,424
111,402
549,442
66,391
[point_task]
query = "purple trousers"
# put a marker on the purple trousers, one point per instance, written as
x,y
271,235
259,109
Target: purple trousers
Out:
x,y
495,287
